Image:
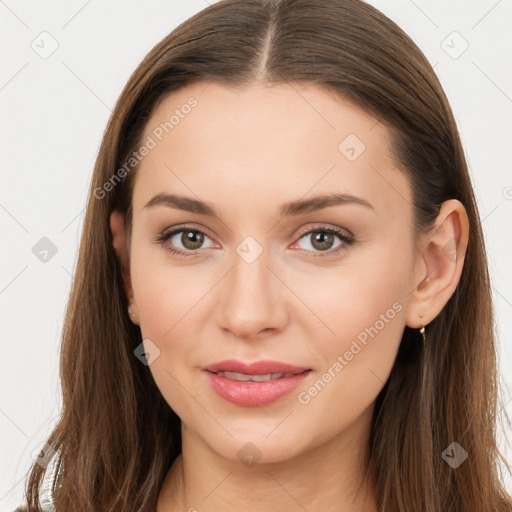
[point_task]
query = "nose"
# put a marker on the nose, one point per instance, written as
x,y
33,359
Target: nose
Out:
x,y
252,298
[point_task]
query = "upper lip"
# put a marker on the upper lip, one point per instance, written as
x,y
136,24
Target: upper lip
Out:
x,y
256,368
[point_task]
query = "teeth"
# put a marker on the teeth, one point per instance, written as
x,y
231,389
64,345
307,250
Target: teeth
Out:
x,y
255,378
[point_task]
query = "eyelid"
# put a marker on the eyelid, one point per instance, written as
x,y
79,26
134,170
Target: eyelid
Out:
x,y
318,226
184,227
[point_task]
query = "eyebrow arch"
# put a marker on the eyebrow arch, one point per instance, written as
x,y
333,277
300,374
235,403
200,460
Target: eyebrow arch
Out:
x,y
291,208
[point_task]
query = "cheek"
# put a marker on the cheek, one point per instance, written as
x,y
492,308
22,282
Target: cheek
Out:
x,y
356,362
165,293
165,298
358,324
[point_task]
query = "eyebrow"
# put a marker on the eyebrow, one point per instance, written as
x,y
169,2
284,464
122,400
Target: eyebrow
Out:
x,y
291,208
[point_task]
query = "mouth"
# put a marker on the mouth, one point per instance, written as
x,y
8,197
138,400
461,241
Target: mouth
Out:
x,y
254,384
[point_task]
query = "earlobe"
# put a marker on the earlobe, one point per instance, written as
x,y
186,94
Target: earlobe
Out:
x,y
442,260
120,246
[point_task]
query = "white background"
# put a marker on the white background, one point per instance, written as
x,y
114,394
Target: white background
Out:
x,y
53,115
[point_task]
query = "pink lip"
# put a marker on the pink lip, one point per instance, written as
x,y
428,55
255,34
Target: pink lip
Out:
x,y
257,368
254,394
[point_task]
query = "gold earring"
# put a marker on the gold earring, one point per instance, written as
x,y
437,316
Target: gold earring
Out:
x,y
134,317
422,330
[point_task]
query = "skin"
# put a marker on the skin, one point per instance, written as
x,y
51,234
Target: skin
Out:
x,y
246,152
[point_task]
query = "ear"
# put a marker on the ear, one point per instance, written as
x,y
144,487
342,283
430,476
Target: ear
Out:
x,y
119,242
439,264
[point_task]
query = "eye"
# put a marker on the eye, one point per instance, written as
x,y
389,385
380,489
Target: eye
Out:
x,y
190,239
322,241
323,238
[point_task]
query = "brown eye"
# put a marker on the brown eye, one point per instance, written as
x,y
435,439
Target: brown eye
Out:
x,y
183,241
322,240
192,239
325,241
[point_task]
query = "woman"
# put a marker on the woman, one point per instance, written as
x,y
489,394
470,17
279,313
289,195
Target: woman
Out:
x,y
282,298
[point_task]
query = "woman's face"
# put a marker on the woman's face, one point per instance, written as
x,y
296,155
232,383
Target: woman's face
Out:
x,y
264,278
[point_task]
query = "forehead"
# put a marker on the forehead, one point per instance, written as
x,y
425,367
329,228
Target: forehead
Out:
x,y
263,142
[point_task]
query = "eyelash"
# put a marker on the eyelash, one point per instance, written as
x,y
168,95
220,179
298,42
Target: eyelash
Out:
x,y
347,240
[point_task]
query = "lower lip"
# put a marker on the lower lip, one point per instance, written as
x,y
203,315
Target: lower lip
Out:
x,y
255,394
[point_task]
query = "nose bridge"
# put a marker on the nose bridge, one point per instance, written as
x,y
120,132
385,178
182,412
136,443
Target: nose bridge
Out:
x,y
252,298
250,278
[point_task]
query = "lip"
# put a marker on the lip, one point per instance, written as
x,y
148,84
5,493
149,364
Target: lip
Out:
x,y
256,368
250,393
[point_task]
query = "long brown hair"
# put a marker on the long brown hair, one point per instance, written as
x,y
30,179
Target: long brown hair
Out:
x,y
117,437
